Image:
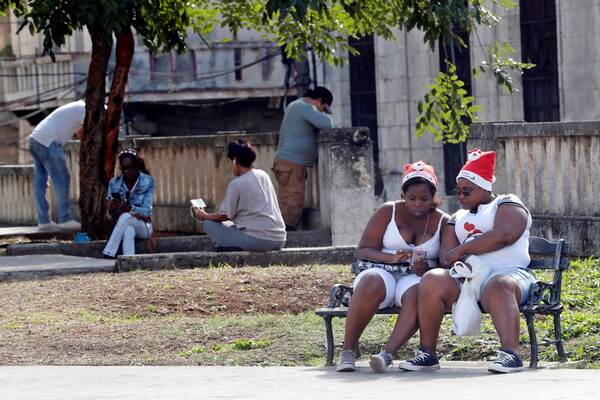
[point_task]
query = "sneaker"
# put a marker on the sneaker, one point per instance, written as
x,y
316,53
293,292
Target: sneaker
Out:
x,y
50,226
346,363
507,361
379,362
71,225
422,361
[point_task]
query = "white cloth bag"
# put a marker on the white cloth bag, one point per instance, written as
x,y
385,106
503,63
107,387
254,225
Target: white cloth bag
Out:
x,y
466,314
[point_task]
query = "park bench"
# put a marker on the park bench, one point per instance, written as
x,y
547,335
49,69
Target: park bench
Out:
x,y
544,298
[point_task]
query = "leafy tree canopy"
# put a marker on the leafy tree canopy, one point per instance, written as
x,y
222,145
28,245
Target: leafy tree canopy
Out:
x,y
323,25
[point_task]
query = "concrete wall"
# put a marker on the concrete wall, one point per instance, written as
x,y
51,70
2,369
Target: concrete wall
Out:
x,y
579,59
554,168
339,193
405,69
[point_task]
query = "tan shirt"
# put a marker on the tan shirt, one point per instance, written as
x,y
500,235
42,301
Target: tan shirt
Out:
x,y
251,203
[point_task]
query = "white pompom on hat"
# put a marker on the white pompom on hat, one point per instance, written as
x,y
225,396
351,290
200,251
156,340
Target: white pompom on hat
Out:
x,y
420,169
479,168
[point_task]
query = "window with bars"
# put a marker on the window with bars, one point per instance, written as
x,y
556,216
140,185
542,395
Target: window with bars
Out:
x,y
165,68
539,46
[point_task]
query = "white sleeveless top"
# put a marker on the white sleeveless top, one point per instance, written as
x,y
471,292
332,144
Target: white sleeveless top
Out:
x,y
468,226
393,240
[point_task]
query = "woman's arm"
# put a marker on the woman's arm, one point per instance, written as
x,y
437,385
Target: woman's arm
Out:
x,y
145,208
371,241
509,224
203,215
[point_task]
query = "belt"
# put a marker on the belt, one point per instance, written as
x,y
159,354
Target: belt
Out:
x,y
403,268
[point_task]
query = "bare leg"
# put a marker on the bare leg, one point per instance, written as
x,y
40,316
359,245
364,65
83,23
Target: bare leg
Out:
x,y
500,299
367,296
437,292
406,324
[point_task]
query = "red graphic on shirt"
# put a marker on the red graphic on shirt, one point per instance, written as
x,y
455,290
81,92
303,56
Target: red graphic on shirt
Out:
x,y
470,227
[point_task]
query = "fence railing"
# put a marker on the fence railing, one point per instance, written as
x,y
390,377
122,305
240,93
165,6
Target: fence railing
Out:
x,y
555,169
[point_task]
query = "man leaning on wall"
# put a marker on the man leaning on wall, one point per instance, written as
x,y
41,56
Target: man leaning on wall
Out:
x,y
297,149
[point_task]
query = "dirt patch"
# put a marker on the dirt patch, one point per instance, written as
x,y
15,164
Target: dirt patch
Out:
x,y
147,317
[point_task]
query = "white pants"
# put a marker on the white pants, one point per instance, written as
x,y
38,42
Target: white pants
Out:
x,y
127,229
395,285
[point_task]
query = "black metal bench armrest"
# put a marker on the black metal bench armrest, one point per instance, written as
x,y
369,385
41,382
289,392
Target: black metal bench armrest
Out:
x,y
340,296
544,293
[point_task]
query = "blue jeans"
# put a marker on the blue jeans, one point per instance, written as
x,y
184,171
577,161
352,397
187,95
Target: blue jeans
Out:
x,y
50,161
127,229
523,276
226,234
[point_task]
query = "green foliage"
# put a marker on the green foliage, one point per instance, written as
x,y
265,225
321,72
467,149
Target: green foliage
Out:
x,y
502,67
162,24
446,110
322,26
250,344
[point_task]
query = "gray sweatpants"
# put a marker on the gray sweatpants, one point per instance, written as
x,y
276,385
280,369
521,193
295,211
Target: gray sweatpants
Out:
x,y
227,235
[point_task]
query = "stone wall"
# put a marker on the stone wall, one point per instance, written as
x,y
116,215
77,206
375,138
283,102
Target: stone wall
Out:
x,y
339,191
555,169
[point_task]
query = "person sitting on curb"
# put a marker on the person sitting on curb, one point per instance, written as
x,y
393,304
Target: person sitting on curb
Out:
x,y
249,217
492,229
393,232
130,202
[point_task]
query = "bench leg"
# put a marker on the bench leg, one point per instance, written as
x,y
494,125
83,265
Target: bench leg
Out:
x,y
560,347
329,335
532,340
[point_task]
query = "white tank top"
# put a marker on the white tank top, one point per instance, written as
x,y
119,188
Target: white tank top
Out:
x,y
393,240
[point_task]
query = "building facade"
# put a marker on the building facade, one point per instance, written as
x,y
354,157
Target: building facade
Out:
x,y
243,85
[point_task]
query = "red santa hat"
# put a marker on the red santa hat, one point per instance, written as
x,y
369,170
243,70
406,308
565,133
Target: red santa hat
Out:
x,y
419,169
479,168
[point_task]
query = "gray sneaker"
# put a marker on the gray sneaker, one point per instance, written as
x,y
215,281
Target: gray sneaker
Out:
x,y
50,226
71,225
379,362
346,363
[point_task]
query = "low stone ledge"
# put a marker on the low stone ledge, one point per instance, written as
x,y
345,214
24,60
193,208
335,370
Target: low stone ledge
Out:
x,y
206,259
171,244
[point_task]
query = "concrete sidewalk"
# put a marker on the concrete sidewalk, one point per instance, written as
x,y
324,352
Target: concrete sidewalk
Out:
x,y
456,380
38,266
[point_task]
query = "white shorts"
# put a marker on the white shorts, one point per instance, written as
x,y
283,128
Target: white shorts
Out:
x,y
395,285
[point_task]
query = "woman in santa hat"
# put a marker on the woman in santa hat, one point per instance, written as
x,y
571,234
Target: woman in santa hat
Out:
x,y
489,229
395,230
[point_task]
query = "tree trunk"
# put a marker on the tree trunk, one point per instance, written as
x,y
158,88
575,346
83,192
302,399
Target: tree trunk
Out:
x,y
91,187
124,55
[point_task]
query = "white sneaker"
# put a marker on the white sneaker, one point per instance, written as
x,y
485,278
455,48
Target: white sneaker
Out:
x,y
347,360
71,225
379,362
50,226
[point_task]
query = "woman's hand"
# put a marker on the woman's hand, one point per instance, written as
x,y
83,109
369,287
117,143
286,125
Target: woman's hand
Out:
x,y
419,266
401,256
121,205
200,213
450,257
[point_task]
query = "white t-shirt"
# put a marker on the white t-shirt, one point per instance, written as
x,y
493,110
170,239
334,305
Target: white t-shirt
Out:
x,y
468,226
61,124
251,203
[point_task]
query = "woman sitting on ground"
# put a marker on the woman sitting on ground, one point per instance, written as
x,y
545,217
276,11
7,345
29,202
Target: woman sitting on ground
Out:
x,y
249,217
492,230
393,232
130,202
